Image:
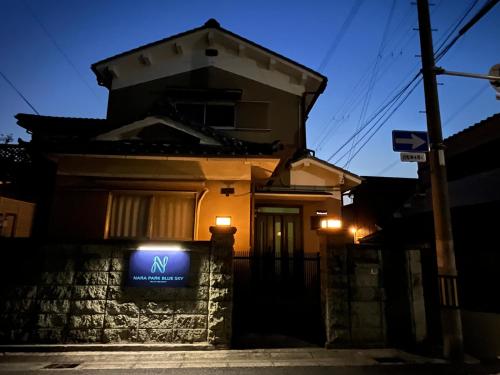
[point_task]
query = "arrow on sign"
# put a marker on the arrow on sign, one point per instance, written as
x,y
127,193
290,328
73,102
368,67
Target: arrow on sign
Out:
x,y
414,141
409,141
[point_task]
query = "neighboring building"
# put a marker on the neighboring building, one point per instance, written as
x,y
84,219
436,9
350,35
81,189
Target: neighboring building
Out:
x,y
473,178
199,125
16,196
374,203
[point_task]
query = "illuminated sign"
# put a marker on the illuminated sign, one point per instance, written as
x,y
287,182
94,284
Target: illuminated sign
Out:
x,y
158,268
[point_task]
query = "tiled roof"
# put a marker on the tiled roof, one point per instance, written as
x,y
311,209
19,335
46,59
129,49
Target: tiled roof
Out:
x,y
76,135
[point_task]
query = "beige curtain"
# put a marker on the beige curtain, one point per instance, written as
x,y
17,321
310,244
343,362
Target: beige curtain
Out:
x,y
173,216
129,216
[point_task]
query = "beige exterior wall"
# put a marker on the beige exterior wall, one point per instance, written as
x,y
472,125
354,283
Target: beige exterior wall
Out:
x,y
80,213
236,206
21,217
311,239
280,121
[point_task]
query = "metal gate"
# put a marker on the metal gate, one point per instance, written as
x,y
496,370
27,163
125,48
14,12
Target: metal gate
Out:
x,y
277,296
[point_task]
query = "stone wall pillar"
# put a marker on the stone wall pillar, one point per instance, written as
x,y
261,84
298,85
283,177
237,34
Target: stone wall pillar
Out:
x,y
220,302
351,292
334,288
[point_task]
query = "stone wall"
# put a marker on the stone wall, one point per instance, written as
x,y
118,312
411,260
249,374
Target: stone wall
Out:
x,y
76,293
351,292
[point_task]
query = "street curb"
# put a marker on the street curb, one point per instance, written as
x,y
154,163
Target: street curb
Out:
x,y
42,348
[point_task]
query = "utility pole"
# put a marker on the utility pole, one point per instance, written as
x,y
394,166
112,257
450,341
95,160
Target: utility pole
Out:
x,y
447,273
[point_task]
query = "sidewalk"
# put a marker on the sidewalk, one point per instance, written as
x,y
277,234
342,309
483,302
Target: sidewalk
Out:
x,y
209,359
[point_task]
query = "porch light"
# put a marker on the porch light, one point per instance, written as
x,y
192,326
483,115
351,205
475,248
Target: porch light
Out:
x,y
223,221
353,230
160,248
331,224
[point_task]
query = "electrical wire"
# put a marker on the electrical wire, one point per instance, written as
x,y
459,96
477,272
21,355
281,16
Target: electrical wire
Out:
x,y
441,53
343,29
60,50
19,93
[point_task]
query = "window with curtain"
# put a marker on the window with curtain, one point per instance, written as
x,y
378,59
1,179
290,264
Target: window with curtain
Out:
x,y
162,216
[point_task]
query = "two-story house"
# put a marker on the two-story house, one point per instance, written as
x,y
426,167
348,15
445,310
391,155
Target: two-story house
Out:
x,y
201,125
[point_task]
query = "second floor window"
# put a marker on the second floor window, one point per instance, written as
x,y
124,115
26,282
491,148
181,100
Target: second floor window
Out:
x,y
209,114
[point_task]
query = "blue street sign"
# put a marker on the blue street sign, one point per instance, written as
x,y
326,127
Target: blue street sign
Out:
x,y
158,268
409,141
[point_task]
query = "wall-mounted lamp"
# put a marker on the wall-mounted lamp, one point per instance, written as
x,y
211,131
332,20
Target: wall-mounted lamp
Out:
x,y
331,224
227,191
223,221
160,248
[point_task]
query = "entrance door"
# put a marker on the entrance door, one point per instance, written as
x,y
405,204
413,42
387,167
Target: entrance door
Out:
x,y
276,287
278,232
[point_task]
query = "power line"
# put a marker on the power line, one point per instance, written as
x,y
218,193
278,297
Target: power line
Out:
x,y
444,50
343,29
373,76
59,48
19,93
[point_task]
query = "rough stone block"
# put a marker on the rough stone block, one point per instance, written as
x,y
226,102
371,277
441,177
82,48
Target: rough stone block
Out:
x,y
158,308
225,266
157,321
57,278
117,264
89,292
364,335
17,306
19,292
220,280
54,306
121,321
126,308
219,308
189,335
88,307
97,250
54,292
191,307
84,335
49,335
154,335
51,320
114,293
219,294
204,279
190,321
115,278
86,321
119,335
95,264
91,278
366,275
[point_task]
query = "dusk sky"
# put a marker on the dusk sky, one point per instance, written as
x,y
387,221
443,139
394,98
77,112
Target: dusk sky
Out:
x,y
47,47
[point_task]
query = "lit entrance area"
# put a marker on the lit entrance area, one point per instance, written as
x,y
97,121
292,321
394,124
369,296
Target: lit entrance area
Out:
x,y
278,232
276,286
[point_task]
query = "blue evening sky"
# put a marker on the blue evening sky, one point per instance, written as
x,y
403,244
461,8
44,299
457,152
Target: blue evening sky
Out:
x,y
47,47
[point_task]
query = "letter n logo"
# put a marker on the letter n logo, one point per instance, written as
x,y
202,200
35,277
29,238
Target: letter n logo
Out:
x,y
159,265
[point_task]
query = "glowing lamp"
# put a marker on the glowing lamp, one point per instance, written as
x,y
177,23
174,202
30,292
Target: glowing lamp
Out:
x,y
160,248
331,224
223,221
353,230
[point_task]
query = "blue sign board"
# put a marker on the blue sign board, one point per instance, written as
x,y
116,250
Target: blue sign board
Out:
x,y
409,141
158,268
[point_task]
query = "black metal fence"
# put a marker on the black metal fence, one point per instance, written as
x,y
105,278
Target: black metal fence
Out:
x,y
278,296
